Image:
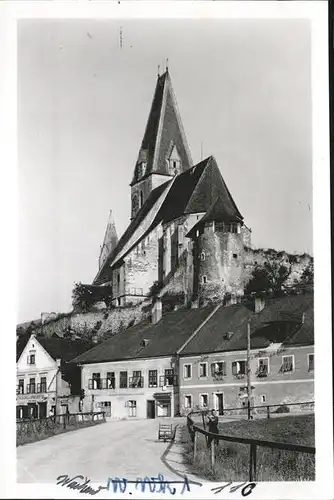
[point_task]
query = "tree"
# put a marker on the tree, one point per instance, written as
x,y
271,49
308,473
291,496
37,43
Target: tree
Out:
x,y
307,277
270,277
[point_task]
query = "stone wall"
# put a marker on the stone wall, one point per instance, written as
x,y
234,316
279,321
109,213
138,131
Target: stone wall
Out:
x,y
254,257
112,321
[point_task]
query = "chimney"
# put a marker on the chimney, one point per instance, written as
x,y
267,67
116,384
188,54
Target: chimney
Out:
x,y
259,304
157,311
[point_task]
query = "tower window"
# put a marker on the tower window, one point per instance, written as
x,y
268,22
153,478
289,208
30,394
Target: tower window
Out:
x,y
204,279
141,198
235,256
202,255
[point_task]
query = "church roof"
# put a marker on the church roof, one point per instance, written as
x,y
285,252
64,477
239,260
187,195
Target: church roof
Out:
x,y
193,191
164,130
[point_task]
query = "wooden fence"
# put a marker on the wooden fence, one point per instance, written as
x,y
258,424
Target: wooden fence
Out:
x,y
253,444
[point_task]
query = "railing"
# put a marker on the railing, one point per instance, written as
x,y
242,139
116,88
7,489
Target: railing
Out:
x,y
253,443
34,429
168,380
136,382
102,383
32,388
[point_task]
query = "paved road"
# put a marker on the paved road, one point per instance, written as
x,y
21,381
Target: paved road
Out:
x,y
125,448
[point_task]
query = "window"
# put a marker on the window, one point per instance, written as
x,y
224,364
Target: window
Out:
x,y
31,359
141,198
153,378
118,279
169,376
204,400
187,371
118,302
96,381
263,398
136,380
20,388
263,367
42,386
218,369
310,362
202,255
287,364
111,383
204,279
123,380
132,408
32,386
188,401
239,368
203,370
235,256
106,407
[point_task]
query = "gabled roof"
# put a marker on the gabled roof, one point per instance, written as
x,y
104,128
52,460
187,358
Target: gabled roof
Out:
x,y
279,322
194,191
164,338
56,347
164,128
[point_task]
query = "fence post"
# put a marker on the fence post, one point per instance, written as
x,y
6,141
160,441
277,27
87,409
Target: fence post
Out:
x,y
195,445
64,421
268,411
252,462
248,410
212,452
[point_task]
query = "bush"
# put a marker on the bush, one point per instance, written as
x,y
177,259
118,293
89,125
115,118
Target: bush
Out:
x,y
282,409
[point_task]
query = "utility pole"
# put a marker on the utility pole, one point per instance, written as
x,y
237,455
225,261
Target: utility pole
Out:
x,y
249,386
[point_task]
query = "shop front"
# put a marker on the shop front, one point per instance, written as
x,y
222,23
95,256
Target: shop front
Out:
x,y
33,405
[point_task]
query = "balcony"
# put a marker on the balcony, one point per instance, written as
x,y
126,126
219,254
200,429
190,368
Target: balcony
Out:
x,y
168,380
239,375
33,389
136,382
101,383
262,371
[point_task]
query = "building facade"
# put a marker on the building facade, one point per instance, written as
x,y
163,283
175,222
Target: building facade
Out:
x,y
45,384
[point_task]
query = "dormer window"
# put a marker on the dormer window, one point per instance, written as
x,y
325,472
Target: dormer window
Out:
x,y
174,161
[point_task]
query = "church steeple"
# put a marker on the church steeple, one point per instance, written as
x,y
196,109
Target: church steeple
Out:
x,y
164,151
110,240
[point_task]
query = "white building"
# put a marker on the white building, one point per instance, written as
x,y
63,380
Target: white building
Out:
x,y
45,378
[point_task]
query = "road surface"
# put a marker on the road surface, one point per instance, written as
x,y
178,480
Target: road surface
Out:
x,y
123,448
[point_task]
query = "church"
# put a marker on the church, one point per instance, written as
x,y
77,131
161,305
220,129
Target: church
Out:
x,y
186,234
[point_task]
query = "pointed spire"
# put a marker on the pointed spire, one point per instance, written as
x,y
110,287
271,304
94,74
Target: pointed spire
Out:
x,y
158,70
164,129
110,240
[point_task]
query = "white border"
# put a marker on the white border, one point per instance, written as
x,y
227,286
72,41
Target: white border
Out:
x,y
322,488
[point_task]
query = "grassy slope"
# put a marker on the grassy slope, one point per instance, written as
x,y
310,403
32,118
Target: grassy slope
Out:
x,y
232,459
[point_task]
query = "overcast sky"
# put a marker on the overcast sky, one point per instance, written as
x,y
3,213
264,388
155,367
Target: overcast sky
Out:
x,y
243,90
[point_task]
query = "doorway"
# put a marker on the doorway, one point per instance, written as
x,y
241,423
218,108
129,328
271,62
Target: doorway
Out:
x,y
219,403
150,409
42,410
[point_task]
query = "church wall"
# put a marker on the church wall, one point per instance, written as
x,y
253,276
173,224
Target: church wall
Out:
x,y
142,264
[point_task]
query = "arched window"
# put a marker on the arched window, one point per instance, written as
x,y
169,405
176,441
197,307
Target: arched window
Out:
x,y
204,279
202,255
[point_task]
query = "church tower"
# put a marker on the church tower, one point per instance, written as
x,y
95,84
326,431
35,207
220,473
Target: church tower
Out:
x,y
110,240
164,151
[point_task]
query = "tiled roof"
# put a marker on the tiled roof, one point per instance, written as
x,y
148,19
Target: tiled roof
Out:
x,y
279,322
164,338
21,343
65,349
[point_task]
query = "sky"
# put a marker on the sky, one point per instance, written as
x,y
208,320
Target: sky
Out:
x,y
243,89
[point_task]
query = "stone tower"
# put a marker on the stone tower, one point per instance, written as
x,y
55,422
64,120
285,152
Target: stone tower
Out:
x,y
218,247
164,151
